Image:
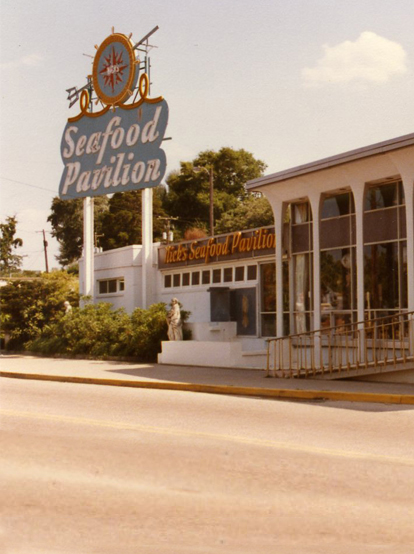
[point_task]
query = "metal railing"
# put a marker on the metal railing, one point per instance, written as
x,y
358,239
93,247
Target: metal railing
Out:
x,y
364,345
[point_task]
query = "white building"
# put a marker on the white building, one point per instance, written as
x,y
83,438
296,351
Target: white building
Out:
x,y
341,253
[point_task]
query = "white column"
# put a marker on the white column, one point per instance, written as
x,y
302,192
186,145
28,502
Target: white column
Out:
x,y
315,205
88,247
409,204
278,215
315,201
358,192
147,248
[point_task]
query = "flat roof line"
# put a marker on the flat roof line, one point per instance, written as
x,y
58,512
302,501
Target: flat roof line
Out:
x,y
325,163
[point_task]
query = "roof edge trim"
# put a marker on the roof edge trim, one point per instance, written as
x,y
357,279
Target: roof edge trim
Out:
x,y
325,163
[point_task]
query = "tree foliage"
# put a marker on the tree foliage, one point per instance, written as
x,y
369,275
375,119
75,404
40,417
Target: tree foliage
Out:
x,y
8,243
99,331
117,222
188,196
66,218
186,203
28,305
250,213
33,316
122,222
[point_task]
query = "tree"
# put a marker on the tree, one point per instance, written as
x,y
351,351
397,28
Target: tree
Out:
x,y
251,212
28,305
8,242
188,196
122,223
66,219
117,222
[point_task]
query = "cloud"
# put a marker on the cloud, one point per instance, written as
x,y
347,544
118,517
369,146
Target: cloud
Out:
x,y
370,58
31,59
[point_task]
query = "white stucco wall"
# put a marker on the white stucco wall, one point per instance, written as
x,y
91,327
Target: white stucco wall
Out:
x,y
120,263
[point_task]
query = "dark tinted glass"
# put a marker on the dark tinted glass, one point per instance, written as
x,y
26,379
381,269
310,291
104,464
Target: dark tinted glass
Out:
x,y
206,277
103,287
251,272
216,275
335,206
228,274
381,276
382,196
112,285
239,274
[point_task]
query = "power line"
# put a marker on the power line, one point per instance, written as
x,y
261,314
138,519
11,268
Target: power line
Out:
x,y
27,184
34,187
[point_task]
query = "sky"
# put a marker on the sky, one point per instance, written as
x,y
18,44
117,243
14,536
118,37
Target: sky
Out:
x,y
291,81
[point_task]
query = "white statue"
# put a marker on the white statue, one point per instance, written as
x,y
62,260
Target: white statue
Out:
x,y
175,325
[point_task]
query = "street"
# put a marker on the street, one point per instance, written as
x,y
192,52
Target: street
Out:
x,y
89,469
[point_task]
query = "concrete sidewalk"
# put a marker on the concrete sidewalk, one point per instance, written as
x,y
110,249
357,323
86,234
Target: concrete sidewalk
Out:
x,y
243,382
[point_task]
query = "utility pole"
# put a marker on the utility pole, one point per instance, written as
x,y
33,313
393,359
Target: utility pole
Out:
x,y
211,202
209,170
45,245
168,234
97,237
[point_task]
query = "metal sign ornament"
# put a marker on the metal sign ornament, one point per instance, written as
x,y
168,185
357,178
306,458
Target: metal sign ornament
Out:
x,y
115,70
117,148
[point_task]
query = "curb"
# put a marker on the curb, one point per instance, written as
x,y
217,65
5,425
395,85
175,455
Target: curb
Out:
x,y
402,399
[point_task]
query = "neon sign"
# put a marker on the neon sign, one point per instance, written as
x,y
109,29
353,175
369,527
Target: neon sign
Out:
x,y
117,148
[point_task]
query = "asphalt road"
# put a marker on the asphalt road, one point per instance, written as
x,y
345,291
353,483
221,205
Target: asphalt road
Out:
x,y
88,469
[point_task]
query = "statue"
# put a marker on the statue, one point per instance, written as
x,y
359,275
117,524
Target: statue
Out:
x,y
175,325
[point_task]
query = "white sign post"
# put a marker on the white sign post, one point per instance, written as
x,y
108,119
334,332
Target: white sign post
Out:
x,y
116,149
88,247
147,248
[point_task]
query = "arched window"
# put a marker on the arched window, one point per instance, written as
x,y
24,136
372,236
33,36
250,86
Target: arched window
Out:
x,y
301,266
385,249
338,259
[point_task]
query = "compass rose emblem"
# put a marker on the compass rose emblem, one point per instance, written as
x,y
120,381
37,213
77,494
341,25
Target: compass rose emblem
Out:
x,y
115,69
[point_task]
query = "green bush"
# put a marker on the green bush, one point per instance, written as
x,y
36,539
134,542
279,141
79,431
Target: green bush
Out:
x,y
30,305
99,331
33,316
148,329
94,330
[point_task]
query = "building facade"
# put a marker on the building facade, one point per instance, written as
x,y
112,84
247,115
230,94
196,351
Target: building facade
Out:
x,y
341,251
351,236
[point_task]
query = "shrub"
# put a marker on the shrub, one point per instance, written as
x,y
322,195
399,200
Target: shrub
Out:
x,y
28,306
99,331
148,329
93,330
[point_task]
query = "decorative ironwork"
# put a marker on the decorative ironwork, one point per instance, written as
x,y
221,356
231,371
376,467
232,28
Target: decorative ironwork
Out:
x,y
368,346
115,70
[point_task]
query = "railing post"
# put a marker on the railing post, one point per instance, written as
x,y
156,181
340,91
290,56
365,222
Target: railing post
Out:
x,y
374,343
402,337
268,359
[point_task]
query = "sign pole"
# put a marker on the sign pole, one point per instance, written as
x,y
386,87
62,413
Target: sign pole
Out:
x,y
118,148
147,247
88,247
